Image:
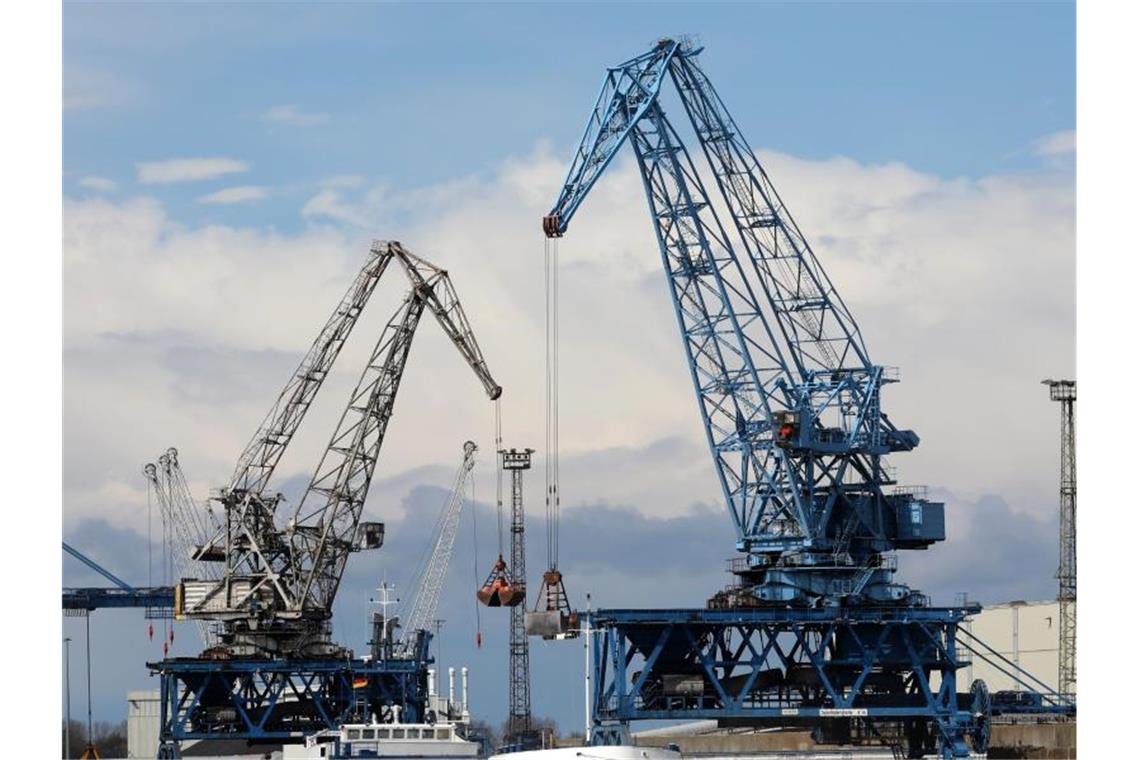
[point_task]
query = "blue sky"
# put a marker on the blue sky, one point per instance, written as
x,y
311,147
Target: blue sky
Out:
x,y
418,94
925,149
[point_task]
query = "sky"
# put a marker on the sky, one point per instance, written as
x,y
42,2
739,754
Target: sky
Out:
x,y
225,167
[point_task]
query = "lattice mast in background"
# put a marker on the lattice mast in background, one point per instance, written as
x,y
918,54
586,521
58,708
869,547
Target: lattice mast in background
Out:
x,y
425,602
1065,391
518,717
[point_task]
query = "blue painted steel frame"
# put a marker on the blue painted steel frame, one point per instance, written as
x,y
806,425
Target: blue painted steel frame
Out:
x,y
159,597
96,566
852,672
281,699
817,631
788,395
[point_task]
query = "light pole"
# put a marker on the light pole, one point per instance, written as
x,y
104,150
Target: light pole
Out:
x,y
586,637
90,738
67,687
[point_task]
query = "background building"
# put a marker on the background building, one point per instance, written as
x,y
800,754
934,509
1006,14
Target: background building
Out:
x,y
1028,633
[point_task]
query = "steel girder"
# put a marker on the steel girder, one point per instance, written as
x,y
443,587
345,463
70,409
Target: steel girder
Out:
x,y
788,395
854,675
282,699
285,577
161,597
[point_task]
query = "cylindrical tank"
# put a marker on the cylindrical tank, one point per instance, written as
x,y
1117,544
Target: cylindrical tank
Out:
x,y
450,689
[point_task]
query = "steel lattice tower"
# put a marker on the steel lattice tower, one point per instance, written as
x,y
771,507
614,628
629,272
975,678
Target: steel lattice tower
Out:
x,y
1065,391
518,716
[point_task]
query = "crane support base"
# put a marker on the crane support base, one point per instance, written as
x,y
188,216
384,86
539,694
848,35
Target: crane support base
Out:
x,y
282,700
860,675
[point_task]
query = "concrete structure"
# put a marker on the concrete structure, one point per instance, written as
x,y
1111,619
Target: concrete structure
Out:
x,y
1028,633
142,723
1055,741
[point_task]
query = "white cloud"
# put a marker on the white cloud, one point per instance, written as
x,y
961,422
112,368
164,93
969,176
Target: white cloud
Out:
x,y
99,184
966,284
293,116
86,88
188,169
1056,144
330,204
344,181
241,194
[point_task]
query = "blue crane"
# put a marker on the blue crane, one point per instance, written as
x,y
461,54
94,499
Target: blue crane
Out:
x,y
817,632
157,600
787,391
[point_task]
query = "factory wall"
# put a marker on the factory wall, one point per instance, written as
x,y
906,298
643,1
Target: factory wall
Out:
x,y
142,723
1028,633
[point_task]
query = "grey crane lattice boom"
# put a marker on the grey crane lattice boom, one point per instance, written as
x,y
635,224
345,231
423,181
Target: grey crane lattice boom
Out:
x,y
278,583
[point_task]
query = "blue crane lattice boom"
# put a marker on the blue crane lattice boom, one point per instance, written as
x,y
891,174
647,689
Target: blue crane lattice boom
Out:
x,y
817,632
789,397
156,600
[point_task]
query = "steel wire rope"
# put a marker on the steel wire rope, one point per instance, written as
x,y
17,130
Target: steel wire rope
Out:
x,y
149,536
167,559
149,548
553,497
475,553
555,435
499,471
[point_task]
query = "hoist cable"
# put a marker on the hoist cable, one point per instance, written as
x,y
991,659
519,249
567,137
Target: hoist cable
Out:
x,y
557,484
499,470
475,554
552,468
548,367
149,536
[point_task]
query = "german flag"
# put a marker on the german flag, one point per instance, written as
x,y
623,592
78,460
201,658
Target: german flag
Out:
x,y
360,682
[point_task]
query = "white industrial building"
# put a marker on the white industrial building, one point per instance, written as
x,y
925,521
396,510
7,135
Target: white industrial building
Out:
x,y
1026,633
142,723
